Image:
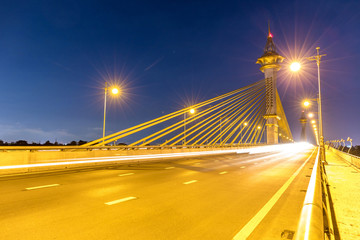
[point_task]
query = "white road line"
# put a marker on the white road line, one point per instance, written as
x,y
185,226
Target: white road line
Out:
x,y
126,174
44,186
245,232
223,172
242,167
169,167
120,200
189,182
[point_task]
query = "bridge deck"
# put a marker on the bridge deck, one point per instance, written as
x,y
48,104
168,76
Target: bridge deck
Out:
x,y
213,197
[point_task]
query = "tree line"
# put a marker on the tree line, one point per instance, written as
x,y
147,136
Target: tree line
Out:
x,y
47,143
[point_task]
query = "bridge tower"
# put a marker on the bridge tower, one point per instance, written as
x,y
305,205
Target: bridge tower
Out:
x,y
270,64
303,121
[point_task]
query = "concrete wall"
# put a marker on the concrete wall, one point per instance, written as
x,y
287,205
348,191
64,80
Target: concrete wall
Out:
x,y
11,161
354,160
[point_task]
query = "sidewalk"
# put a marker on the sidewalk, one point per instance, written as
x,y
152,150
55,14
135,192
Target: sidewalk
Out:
x,y
344,181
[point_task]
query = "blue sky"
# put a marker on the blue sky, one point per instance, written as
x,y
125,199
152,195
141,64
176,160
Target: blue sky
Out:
x,y
55,58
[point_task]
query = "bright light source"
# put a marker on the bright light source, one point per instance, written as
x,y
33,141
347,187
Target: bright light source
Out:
x,y
245,124
295,66
313,121
114,90
306,103
192,111
258,127
311,115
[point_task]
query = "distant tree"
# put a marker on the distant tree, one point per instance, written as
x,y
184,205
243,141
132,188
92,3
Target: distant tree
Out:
x,y
21,143
81,142
48,143
1,143
72,143
121,144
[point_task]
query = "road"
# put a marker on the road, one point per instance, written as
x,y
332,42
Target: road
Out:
x,y
214,197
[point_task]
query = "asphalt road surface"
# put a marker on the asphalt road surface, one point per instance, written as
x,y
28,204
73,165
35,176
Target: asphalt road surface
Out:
x,y
233,196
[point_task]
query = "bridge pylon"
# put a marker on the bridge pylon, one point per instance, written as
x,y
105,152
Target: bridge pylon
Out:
x,y
270,64
303,121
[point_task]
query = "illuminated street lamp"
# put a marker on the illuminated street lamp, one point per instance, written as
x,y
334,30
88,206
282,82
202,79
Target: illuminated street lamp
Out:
x,y
191,111
310,115
293,67
114,90
306,103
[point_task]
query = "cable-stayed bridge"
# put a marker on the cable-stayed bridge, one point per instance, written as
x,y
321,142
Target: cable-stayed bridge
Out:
x,y
225,168
234,118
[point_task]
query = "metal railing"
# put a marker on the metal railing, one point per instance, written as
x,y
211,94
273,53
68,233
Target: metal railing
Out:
x,y
350,158
316,215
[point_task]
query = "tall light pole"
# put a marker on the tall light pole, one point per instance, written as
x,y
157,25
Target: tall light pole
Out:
x,y
295,66
317,58
114,91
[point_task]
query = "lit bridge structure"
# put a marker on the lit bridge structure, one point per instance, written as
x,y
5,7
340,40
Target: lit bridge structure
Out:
x,y
232,119
224,168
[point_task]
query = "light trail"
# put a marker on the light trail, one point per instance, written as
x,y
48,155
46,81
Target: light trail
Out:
x,y
292,148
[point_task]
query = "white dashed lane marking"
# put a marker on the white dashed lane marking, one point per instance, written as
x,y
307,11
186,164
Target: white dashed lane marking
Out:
x,y
44,186
126,174
120,200
189,182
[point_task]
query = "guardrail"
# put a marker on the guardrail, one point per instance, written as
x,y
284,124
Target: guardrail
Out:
x,y
352,159
20,159
119,147
316,215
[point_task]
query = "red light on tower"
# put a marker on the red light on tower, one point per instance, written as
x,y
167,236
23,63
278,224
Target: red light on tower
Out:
x,y
270,35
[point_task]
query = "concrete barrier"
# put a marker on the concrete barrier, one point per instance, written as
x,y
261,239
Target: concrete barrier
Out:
x,y
16,160
354,160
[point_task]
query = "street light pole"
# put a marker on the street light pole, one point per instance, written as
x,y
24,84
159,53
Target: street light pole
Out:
x,y
317,58
105,96
114,91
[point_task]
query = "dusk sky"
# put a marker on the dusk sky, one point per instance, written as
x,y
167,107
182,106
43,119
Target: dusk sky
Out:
x,y
55,57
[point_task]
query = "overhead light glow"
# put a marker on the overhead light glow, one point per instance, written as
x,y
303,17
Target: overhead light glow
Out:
x,y
295,66
114,90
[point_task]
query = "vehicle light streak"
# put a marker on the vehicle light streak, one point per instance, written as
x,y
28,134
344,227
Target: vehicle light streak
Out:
x,y
298,147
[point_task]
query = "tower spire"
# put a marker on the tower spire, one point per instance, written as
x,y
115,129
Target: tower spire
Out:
x,y
270,64
269,33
